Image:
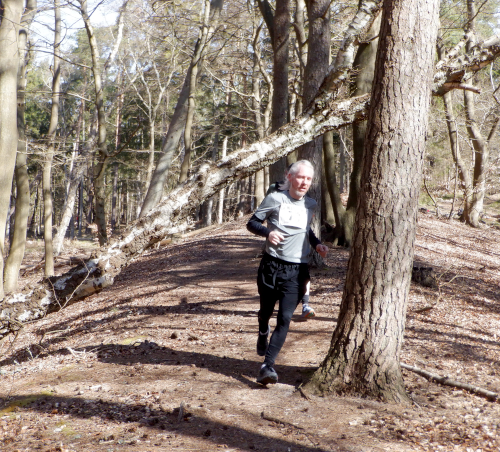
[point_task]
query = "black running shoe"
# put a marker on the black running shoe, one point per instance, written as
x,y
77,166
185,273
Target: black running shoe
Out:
x,y
267,375
262,343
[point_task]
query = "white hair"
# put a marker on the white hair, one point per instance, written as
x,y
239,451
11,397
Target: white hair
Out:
x,y
293,169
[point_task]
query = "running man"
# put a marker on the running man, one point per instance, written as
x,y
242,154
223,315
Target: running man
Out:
x,y
283,272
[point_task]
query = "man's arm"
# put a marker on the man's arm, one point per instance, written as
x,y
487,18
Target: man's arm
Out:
x,y
322,250
255,226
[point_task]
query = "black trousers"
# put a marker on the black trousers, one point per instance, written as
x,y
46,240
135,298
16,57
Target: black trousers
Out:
x,y
283,282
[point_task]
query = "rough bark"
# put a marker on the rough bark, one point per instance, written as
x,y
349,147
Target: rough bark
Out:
x,y
17,246
9,62
364,353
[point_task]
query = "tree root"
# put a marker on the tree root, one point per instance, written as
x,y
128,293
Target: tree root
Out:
x,y
493,396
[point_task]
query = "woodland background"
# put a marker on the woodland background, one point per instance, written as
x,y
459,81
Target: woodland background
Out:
x,y
100,115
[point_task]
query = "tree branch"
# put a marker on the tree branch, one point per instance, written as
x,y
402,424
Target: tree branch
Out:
x,y
449,382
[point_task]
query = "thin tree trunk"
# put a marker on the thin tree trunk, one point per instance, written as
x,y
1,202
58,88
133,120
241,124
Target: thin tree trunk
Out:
x,y
51,135
220,211
191,104
281,43
103,155
260,189
75,178
176,126
463,172
18,242
318,59
480,144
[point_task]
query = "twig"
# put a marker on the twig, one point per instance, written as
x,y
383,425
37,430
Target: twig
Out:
x,y
279,421
448,382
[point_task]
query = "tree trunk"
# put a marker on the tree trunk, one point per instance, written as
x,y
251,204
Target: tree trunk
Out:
x,y
103,155
279,116
463,171
176,126
364,354
18,243
364,63
75,177
479,143
260,189
51,135
318,59
9,62
326,202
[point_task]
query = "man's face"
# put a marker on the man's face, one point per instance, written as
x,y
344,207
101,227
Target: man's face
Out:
x,y
300,181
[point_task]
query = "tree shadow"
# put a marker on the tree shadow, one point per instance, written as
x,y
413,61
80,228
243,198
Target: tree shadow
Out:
x,y
190,422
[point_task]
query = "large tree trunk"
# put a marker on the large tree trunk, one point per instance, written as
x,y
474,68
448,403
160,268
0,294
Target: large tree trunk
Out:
x,y
18,244
9,62
364,353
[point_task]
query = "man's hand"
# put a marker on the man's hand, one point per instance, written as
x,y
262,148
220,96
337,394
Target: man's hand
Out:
x,y
275,237
322,250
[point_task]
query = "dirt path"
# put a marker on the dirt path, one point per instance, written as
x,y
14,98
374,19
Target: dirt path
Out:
x,y
165,358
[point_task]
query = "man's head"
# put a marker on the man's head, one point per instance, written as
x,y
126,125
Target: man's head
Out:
x,y
299,178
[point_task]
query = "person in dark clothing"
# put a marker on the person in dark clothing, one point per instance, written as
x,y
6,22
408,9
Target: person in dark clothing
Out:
x,y
283,272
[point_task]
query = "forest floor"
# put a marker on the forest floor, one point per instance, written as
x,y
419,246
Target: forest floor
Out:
x,y
165,358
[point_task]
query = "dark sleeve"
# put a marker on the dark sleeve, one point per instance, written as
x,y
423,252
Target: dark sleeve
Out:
x,y
313,240
255,226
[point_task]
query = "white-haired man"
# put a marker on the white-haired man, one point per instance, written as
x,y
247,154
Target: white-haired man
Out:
x,y
283,272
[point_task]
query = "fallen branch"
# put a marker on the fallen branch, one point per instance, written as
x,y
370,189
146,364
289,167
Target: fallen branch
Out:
x,y
448,382
279,421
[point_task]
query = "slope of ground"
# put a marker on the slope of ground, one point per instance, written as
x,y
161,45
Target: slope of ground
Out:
x,y
165,358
